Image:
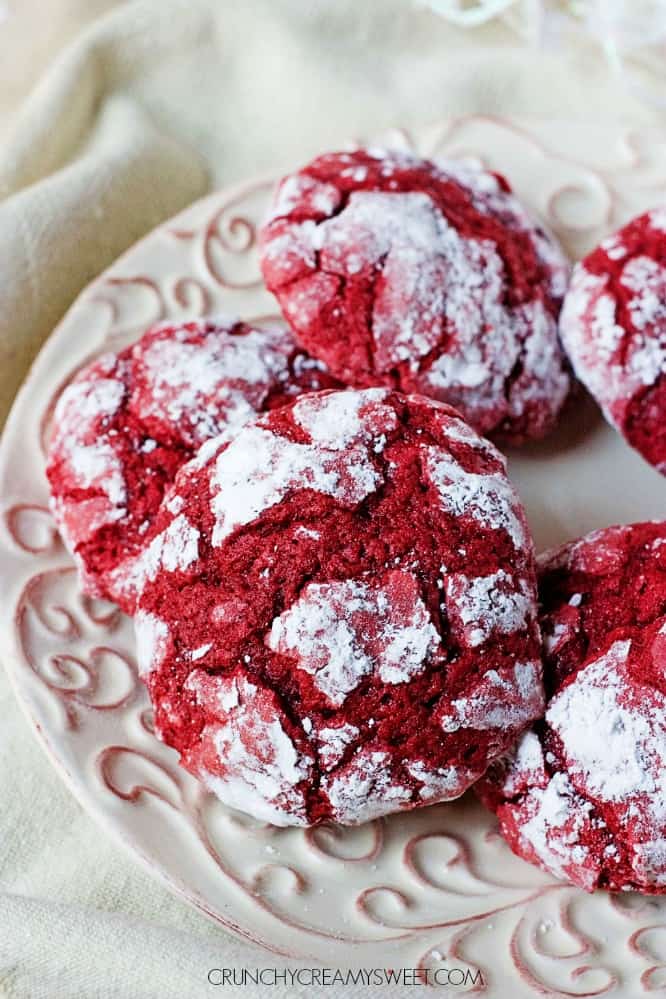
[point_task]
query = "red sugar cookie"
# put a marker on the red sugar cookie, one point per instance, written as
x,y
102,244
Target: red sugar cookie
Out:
x,y
425,277
583,794
128,421
613,327
339,614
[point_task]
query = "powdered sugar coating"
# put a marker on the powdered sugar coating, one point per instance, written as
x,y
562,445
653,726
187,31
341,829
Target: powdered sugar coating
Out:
x,y
336,463
364,789
625,757
93,464
584,792
332,743
175,548
439,783
341,632
252,756
395,270
486,498
482,606
553,828
506,700
323,551
128,421
613,326
152,635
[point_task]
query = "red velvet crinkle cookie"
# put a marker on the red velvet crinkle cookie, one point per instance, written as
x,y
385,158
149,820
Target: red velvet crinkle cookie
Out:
x,y
613,326
339,620
128,421
425,277
583,794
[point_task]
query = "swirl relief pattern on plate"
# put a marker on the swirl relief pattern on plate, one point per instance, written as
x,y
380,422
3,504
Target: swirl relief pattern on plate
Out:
x,y
434,889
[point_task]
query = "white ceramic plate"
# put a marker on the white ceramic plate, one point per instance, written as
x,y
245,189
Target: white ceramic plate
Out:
x,y
435,888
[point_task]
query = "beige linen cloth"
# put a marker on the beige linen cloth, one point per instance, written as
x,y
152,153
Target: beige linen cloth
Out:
x,y
148,109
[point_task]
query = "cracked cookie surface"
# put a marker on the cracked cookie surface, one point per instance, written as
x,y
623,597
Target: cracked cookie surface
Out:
x,y
128,421
614,329
424,277
339,618
583,794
